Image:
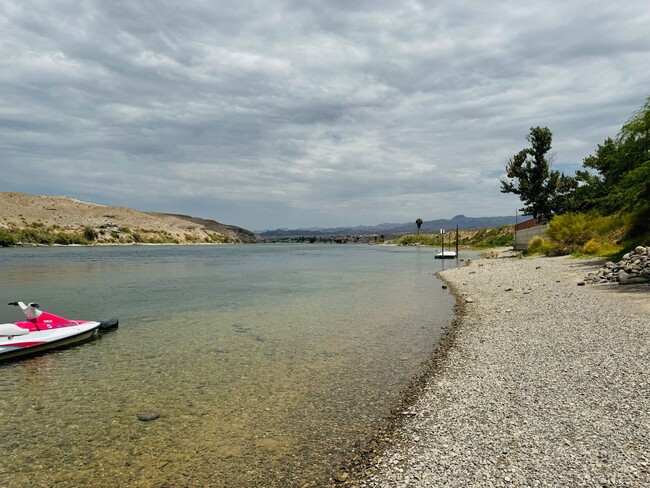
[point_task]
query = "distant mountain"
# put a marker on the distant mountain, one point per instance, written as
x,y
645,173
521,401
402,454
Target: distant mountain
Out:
x,y
429,226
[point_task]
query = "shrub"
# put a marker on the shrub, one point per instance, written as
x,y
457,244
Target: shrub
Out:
x,y
537,246
592,246
89,233
586,233
422,239
35,236
66,239
7,238
570,231
218,238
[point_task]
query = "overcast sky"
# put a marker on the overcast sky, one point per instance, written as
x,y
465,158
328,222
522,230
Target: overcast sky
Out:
x,y
266,114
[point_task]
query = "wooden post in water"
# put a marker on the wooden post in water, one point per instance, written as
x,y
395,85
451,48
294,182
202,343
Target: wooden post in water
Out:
x,y
456,241
442,239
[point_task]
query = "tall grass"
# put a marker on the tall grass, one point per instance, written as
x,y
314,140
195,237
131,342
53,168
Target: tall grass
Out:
x,y
582,234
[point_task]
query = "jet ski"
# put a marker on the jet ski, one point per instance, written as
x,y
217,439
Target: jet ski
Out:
x,y
44,330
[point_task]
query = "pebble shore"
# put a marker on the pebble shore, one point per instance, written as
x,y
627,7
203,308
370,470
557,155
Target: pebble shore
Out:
x,y
546,384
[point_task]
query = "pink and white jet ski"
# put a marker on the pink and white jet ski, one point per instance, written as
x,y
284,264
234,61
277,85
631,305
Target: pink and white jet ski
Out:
x,y
43,330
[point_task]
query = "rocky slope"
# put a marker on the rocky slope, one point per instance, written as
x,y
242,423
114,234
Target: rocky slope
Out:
x,y
25,214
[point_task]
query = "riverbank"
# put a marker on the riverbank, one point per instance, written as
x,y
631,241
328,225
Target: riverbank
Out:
x,y
543,383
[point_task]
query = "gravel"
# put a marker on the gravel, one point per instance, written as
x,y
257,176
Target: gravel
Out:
x,y
547,384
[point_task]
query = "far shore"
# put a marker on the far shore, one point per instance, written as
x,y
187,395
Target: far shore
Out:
x,y
539,382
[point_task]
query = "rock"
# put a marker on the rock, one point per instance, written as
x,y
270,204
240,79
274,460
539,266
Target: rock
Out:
x,y
635,280
469,300
508,289
581,283
634,266
148,417
341,477
444,287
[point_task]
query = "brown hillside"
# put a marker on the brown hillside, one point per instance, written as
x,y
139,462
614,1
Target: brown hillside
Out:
x,y
112,224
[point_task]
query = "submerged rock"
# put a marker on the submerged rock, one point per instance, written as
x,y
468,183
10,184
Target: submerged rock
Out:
x,y
148,417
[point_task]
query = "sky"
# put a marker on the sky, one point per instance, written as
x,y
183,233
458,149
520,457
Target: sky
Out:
x,y
269,114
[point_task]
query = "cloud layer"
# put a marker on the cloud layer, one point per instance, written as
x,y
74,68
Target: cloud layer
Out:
x,y
290,113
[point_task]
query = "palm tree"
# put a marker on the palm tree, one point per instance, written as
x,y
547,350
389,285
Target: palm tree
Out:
x,y
418,222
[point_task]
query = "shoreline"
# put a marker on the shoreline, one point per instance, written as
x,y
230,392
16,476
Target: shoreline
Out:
x,y
519,390
364,458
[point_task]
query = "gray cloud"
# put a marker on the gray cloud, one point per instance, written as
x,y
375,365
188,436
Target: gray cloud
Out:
x,y
287,113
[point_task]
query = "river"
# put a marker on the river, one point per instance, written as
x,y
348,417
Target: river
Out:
x,y
266,363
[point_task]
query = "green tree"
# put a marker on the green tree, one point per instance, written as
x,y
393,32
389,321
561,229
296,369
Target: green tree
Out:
x,y
543,191
418,222
616,177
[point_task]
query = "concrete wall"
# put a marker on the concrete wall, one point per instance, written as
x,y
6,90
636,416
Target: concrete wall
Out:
x,y
525,235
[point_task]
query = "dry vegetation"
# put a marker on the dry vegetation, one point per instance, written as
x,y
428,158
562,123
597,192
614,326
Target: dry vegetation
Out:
x,y
480,239
34,219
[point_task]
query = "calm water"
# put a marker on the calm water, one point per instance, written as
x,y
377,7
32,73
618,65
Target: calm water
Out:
x,y
266,363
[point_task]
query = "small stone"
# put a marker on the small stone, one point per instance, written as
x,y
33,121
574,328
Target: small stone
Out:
x,y
148,417
639,250
469,300
444,287
508,289
341,477
581,283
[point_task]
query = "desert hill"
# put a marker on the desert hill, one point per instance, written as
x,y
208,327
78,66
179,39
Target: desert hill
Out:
x,y
52,216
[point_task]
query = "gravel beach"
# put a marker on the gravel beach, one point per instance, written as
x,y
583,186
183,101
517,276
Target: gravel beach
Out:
x,y
546,384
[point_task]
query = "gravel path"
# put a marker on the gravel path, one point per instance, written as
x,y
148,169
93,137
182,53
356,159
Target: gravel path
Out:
x,y
548,384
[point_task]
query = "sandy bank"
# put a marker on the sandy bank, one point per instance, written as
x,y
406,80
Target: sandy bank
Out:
x,y
546,384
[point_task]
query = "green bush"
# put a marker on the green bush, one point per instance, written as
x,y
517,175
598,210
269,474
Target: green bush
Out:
x,y
422,240
586,233
537,245
7,238
67,239
34,235
90,234
569,232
